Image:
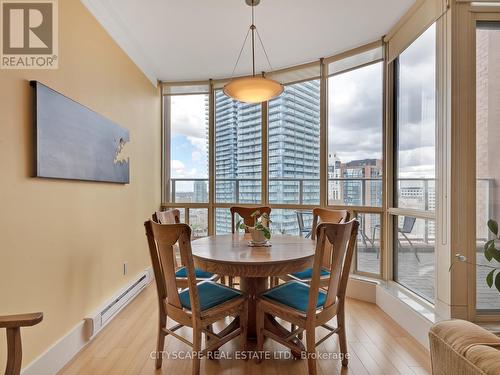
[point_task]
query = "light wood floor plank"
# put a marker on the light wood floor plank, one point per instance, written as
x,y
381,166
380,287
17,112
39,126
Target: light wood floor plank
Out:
x,y
377,345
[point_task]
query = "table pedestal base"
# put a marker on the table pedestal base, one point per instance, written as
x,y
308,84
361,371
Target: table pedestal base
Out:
x,y
253,286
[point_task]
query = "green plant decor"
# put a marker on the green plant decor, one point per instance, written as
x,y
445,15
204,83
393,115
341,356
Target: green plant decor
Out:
x,y
261,224
491,253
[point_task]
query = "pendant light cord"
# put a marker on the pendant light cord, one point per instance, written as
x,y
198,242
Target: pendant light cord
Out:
x,y
239,55
252,29
264,49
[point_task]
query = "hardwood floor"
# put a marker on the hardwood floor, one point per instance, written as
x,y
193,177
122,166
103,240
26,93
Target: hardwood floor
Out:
x,y
376,343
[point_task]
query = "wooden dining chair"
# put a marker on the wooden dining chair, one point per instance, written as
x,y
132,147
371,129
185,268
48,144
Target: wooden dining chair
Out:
x,y
320,215
326,215
13,324
245,213
173,217
199,305
308,306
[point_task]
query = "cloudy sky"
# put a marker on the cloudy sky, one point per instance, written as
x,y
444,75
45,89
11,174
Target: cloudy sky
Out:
x,y
355,114
355,117
416,117
189,138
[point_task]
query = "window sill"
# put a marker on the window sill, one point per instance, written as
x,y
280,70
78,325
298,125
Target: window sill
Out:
x,y
413,301
419,305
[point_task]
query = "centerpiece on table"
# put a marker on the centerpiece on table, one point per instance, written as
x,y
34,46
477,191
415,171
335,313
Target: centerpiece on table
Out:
x,y
260,231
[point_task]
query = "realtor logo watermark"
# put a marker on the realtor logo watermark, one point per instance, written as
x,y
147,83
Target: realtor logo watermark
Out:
x,y
29,34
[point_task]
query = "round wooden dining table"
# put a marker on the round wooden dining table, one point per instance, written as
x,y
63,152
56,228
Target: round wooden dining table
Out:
x,y
231,255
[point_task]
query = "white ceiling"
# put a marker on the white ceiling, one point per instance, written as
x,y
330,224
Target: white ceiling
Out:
x,y
176,40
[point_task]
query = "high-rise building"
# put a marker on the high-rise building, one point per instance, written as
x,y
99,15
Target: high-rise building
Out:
x,y
355,183
293,143
200,191
366,187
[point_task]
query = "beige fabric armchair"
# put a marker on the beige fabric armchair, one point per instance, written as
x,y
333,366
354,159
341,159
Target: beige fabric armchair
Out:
x,y
459,347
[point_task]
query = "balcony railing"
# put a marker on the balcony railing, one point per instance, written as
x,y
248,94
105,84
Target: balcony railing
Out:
x,y
414,193
341,191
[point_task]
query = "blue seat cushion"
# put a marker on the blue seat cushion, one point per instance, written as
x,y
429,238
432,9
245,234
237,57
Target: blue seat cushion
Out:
x,y
182,272
294,294
210,294
307,274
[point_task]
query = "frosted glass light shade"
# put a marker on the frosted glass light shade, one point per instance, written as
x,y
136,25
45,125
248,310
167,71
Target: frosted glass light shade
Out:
x,y
253,89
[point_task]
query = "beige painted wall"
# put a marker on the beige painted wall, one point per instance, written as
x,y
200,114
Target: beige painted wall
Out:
x,y
63,243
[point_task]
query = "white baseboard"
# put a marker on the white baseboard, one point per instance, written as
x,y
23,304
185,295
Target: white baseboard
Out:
x,y
64,349
364,290
54,359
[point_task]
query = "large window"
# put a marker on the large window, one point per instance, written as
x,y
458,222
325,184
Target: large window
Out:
x,y
487,153
294,127
355,137
188,148
204,181
414,169
238,150
238,155
416,124
355,161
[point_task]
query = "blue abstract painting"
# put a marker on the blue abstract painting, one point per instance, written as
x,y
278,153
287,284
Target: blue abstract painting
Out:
x,y
74,142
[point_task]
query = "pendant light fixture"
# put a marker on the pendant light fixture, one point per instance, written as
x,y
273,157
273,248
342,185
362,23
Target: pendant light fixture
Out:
x,y
254,89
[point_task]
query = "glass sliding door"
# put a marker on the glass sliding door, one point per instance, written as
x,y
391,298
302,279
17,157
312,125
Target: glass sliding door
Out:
x,y
487,155
415,166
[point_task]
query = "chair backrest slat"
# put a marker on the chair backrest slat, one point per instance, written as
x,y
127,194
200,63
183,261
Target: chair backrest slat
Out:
x,y
246,215
161,240
324,215
157,267
342,237
172,216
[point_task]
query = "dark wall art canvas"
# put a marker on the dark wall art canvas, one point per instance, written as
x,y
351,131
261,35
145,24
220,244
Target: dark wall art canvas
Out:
x,y
74,142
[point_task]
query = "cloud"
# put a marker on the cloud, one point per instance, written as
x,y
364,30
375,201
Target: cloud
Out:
x,y
199,143
355,114
177,164
355,111
179,170
189,119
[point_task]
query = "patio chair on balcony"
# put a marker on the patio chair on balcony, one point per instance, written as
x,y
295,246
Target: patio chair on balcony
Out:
x,y
303,230
407,228
361,232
